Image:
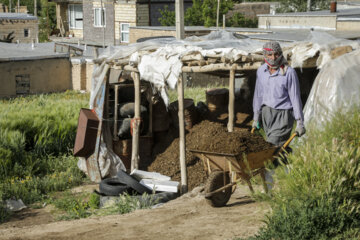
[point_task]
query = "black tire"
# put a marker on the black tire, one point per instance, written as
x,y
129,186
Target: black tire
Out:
x,y
127,110
112,187
132,182
214,182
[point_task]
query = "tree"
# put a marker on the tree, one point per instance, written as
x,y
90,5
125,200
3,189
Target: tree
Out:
x,y
301,5
203,13
167,17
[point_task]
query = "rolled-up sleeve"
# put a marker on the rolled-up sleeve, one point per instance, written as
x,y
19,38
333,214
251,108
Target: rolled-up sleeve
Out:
x,y
257,100
294,95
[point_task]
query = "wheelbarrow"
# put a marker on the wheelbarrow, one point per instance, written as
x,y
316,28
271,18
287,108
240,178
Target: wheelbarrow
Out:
x,y
226,170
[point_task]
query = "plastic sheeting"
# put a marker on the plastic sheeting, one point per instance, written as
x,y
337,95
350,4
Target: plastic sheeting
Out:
x,y
318,43
336,89
163,66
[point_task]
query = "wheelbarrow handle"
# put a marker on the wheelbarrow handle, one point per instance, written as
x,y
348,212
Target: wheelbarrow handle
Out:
x,y
289,140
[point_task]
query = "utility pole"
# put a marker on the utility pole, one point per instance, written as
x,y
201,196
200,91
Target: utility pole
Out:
x,y
10,6
102,20
308,5
35,8
18,6
217,14
179,17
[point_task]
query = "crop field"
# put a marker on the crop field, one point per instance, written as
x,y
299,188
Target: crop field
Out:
x,y
37,134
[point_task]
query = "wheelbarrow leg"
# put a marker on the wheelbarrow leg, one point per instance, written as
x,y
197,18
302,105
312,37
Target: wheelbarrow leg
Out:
x,y
250,185
262,174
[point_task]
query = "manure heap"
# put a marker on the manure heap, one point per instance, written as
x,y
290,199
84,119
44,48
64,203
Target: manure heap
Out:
x,y
206,136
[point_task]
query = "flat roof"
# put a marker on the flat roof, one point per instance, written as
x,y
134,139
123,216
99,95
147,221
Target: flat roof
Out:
x,y
17,16
323,13
25,51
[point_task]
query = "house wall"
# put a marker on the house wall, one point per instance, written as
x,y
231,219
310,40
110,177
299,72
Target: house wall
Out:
x,y
142,15
43,76
62,19
95,34
348,25
125,12
7,26
280,21
250,9
136,33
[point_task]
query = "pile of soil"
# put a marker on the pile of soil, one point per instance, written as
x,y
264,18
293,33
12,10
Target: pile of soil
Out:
x,y
205,136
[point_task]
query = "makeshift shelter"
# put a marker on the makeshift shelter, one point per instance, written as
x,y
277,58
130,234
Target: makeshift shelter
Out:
x,y
162,62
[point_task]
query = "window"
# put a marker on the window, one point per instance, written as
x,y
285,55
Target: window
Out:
x,y
124,29
99,19
22,84
26,32
75,16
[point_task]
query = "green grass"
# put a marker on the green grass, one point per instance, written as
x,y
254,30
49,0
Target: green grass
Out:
x,y
37,134
196,93
320,197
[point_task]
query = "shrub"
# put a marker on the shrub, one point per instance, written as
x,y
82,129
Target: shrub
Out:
x,y
320,197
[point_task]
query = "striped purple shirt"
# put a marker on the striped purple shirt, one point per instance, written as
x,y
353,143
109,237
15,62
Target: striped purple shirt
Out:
x,y
277,91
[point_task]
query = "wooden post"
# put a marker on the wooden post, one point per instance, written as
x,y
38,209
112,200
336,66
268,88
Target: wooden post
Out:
x,y
116,113
135,123
230,125
182,143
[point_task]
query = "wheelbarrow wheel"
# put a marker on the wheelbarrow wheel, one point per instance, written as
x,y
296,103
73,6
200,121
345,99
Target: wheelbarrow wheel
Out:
x,y
214,182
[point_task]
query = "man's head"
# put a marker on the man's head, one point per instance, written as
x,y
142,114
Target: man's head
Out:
x,y
273,54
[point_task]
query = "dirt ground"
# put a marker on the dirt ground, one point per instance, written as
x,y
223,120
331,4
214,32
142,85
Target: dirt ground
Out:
x,y
187,217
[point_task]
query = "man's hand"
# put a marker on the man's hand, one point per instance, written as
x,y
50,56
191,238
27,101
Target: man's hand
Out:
x,y
256,124
300,129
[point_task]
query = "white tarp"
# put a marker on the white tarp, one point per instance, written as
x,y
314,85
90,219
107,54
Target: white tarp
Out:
x,y
163,66
336,89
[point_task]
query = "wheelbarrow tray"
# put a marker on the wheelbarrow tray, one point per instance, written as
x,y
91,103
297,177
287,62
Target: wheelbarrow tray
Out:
x,y
235,162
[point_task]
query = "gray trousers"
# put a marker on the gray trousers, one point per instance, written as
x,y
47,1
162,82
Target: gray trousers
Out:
x,y
277,124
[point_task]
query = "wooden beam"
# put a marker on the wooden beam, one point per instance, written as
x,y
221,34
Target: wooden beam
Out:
x,y
182,142
116,113
222,67
135,123
231,109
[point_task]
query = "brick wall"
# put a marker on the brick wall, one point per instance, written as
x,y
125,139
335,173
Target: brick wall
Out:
x,y
18,26
95,34
43,76
136,33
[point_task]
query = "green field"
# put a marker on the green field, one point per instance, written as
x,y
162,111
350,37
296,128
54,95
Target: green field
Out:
x,y
37,134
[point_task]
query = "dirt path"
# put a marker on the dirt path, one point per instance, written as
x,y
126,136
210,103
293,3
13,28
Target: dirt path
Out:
x,y
187,217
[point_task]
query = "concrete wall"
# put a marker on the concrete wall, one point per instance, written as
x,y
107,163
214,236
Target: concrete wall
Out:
x,y
95,34
7,26
36,76
348,25
250,9
296,22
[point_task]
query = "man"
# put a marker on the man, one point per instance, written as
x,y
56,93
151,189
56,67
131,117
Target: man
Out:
x,y
277,103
